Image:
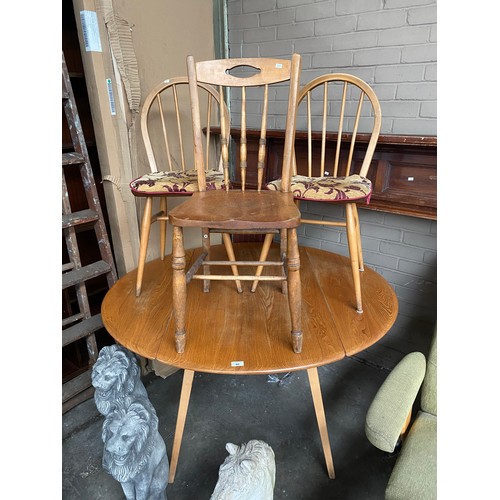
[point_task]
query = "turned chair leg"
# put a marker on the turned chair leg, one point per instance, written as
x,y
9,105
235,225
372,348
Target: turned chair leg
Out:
x,y
179,288
294,289
352,241
145,230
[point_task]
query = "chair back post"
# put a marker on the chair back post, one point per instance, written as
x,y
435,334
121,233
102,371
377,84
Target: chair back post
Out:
x,y
199,162
152,96
377,115
288,150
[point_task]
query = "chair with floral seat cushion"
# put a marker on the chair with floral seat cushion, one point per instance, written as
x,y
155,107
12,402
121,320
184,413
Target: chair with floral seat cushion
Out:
x,y
167,133
336,168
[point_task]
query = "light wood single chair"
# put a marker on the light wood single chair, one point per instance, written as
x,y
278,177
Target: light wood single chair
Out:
x,y
232,211
337,164
167,134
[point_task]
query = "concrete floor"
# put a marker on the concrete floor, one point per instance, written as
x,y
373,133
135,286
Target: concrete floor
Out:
x,y
225,408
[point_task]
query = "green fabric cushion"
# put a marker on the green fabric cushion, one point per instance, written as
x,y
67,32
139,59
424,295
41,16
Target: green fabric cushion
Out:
x,y
328,188
175,182
414,476
428,400
393,402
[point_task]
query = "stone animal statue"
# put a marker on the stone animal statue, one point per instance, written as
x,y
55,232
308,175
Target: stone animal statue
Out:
x,y
116,374
134,451
248,473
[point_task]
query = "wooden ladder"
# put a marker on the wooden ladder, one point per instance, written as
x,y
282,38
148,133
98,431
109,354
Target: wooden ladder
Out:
x,y
81,324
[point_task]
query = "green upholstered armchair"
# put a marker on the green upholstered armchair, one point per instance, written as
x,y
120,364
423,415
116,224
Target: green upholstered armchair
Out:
x,y
389,422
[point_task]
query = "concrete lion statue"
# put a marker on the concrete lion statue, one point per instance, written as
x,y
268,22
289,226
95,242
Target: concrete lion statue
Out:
x,y
134,451
248,473
116,374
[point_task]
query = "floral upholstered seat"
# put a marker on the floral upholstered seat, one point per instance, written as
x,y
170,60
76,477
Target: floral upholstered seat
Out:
x,y
327,188
175,182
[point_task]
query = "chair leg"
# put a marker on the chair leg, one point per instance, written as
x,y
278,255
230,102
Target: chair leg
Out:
x,y
353,254
294,289
163,227
179,288
143,247
263,256
358,239
226,237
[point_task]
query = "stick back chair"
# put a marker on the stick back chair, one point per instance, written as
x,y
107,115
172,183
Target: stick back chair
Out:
x,y
167,133
336,171
243,210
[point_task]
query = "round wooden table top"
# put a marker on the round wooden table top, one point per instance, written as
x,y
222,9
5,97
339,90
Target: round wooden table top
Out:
x,y
249,333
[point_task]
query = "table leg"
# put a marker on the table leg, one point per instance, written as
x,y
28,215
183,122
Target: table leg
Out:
x,y
312,373
187,383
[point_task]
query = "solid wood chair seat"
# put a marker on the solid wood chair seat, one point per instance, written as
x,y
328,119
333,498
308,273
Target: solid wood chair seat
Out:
x,y
236,209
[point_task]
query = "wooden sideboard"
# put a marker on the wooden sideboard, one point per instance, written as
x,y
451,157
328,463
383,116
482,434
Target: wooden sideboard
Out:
x,y
403,170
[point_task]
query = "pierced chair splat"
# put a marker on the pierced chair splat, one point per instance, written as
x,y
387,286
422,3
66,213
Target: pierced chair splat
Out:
x,y
243,210
167,135
336,169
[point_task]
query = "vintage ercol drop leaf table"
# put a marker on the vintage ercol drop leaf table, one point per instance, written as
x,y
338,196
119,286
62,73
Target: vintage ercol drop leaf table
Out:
x,y
249,333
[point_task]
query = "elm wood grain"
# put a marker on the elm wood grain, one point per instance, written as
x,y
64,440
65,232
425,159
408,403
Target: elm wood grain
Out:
x,y
253,333
357,331
249,210
251,327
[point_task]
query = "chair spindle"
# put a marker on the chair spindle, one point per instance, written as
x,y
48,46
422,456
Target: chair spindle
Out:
x,y
179,129
164,129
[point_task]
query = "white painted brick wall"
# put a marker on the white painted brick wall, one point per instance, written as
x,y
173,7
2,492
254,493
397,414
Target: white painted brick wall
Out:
x,y
391,44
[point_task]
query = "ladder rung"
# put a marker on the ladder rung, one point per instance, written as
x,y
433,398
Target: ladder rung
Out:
x,y
72,319
76,385
68,266
72,159
82,329
78,218
85,273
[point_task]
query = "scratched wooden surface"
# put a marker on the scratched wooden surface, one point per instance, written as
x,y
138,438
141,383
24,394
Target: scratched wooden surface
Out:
x,y
251,330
